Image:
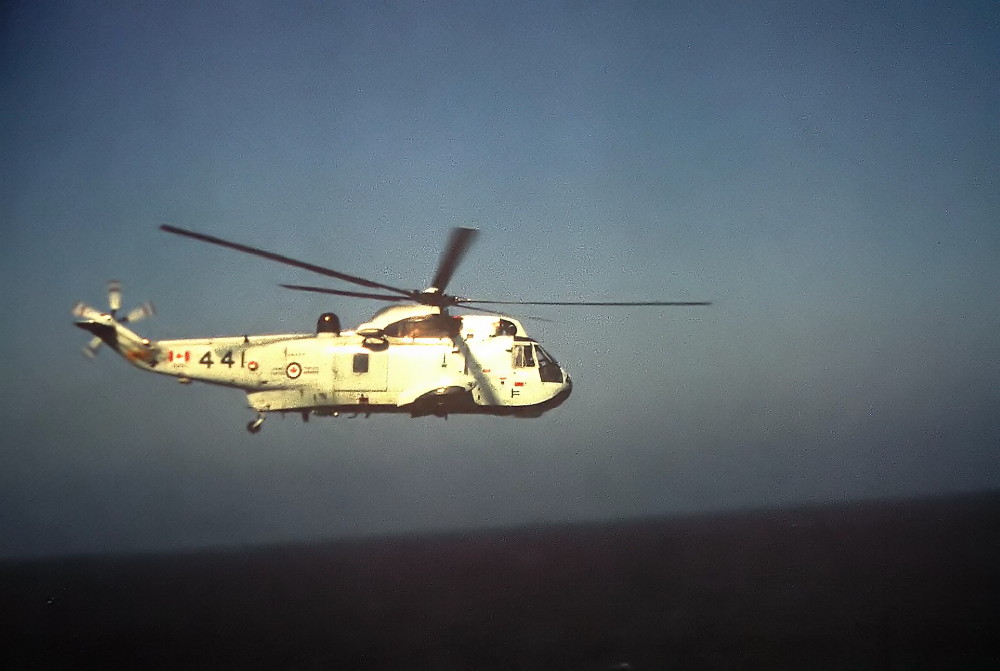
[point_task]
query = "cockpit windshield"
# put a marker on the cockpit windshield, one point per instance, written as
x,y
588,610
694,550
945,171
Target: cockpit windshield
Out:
x,y
531,355
543,356
548,369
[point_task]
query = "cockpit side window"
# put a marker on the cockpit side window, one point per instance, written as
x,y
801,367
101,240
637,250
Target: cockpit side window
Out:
x,y
523,356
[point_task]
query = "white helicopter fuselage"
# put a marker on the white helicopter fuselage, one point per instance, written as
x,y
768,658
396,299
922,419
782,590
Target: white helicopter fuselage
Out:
x,y
408,359
413,357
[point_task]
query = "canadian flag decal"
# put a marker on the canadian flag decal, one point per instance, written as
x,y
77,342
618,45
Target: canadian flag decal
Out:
x,y
177,357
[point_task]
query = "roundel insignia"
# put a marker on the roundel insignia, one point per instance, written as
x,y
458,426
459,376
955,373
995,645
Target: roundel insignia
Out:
x,y
293,370
252,366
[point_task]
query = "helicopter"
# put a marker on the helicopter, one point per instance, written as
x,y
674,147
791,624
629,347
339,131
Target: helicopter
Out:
x,y
414,356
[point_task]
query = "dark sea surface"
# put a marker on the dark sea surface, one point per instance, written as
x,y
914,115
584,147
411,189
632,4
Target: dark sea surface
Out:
x,y
872,585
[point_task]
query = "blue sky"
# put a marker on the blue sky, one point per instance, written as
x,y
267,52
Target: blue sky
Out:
x,y
824,173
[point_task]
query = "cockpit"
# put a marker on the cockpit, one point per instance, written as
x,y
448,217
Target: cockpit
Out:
x,y
532,355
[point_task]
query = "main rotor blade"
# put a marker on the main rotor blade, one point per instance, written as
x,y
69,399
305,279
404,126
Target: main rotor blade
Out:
x,y
476,371
466,306
341,292
458,245
463,302
284,259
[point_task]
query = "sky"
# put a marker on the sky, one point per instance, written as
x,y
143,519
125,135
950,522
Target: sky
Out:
x,y
824,173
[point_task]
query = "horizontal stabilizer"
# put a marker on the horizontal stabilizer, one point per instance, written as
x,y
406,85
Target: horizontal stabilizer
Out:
x,y
106,332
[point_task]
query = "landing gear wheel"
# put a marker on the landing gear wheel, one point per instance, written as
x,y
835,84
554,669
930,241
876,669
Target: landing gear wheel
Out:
x,y
254,426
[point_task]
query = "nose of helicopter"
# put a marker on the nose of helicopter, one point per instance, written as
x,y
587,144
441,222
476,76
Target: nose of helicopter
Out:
x,y
564,393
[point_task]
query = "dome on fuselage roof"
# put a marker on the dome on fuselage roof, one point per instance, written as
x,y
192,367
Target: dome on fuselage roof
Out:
x,y
474,325
394,313
487,325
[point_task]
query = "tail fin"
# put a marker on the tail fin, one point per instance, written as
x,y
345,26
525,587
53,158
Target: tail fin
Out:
x,y
105,328
108,328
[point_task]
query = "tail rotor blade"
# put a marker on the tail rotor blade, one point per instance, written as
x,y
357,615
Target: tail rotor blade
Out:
x,y
90,349
114,295
83,311
145,310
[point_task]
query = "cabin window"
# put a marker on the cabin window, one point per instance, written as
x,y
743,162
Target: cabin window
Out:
x,y
360,363
524,356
